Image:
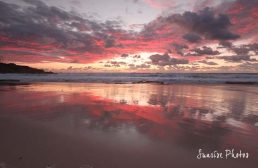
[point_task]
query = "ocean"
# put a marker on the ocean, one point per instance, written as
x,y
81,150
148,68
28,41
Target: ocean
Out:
x,y
162,78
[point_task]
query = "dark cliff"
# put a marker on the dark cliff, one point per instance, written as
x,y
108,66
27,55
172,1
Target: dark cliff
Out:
x,y
13,68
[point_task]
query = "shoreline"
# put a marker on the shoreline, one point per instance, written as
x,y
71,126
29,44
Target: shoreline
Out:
x,y
136,78
19,82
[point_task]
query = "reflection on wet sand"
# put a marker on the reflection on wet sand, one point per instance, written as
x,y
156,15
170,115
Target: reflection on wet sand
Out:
x,y
157,123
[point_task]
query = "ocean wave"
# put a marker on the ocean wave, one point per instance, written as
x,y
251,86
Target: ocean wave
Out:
x,y
158,78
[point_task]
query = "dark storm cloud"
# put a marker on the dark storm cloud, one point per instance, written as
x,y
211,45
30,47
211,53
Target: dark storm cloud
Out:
x,y
110,42
203,51
179,48
208,62
225,44
39,22
124,55
206,23
165,59
192,37
190,26
43,24
112,24
253,47
243,49
42,10
238,58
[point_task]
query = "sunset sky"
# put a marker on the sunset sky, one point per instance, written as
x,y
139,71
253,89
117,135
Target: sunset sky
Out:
x,y
131,35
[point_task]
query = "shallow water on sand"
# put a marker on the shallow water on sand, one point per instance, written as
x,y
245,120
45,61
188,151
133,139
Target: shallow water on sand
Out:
x,y
70,125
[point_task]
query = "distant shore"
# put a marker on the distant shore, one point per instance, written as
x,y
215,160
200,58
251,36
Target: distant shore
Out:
x,y
13,68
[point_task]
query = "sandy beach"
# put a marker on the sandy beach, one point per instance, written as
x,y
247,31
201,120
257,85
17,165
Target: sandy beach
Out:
x,y
69,125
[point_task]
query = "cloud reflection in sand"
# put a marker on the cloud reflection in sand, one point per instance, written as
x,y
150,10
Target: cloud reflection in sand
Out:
x,y
171,113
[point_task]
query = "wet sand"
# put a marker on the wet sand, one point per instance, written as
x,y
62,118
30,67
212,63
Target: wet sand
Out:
x,y
68,125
